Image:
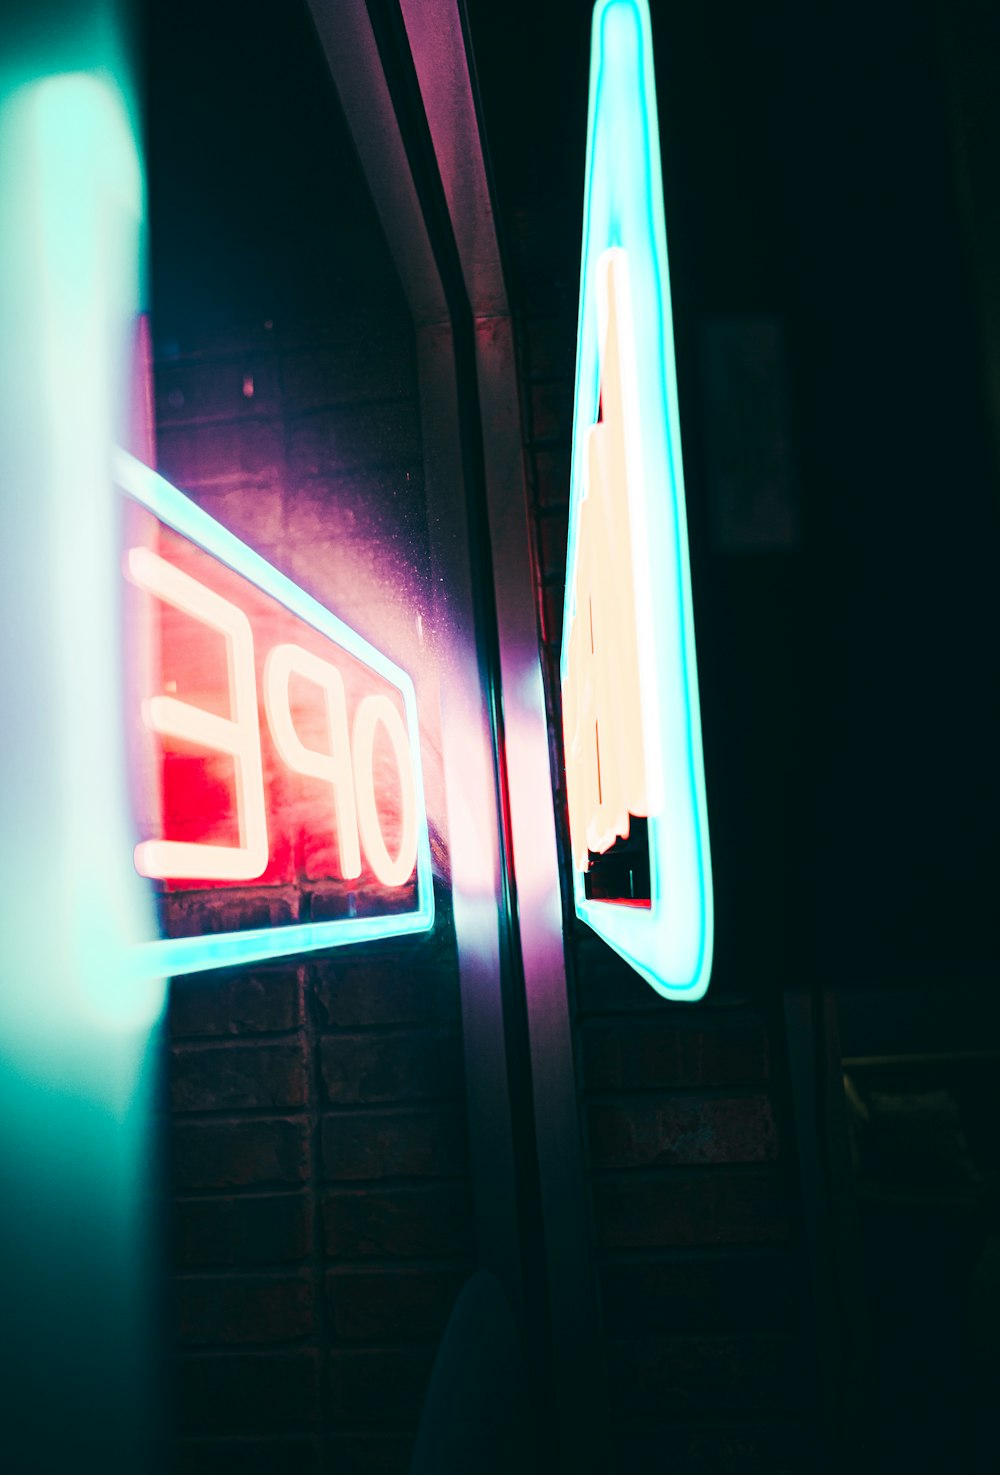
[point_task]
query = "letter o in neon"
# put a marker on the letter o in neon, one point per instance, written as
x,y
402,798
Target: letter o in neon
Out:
x,y
372,711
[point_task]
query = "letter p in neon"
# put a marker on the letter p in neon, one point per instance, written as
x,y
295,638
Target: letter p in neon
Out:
x,y
334,767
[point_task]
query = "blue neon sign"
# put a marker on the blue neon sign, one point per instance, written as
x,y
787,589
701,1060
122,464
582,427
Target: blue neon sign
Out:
x,y
632,726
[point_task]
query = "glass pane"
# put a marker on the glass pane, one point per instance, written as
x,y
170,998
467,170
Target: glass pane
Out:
x,y
321,1206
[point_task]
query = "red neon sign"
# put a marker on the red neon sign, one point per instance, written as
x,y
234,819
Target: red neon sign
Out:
x,y
267,753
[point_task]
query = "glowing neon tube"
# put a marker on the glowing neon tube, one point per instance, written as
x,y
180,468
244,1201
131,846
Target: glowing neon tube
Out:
x,y
632,727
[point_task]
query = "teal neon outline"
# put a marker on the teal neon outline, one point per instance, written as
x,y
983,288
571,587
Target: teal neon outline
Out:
x,y
172,955
623,206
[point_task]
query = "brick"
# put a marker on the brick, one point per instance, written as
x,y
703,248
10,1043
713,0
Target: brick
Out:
x,y
328,901
385,990
359,1145
369,1454
216,389
204,342
239,1154
243,1309
643,1131
759,1448
677,1377
391,1067
254,513
334,542
251,451
239,1392
551,471
712,1051
605,984
379,1386
693,1207
553,532
400,1222
235,1002
392,1305
246,1457
325,566
550,347
194,914
375,368
323,509
225,1077
356,303
242,1231
549,285
700,1293
356,438
551,409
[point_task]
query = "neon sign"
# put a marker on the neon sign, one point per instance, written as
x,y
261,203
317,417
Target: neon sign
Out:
x,y
631,722
274,746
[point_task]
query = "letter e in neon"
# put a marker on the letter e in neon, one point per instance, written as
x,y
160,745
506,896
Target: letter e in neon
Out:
x,y
237,735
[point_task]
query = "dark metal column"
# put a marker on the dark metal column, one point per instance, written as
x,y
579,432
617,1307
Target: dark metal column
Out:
x,y
352,46
404,80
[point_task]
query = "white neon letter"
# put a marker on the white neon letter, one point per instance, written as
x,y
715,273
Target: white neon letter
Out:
x,y
610,730
334,767
237,735
371,711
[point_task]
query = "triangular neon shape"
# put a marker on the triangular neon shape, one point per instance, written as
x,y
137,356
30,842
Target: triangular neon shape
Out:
x,y
632,726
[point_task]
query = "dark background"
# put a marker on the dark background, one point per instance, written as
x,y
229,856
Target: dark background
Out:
x,y
848,698
832,230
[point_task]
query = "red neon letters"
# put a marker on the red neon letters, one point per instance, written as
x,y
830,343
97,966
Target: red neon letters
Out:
x,y
266,752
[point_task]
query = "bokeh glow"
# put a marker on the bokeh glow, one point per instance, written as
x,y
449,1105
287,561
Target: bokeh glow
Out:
x,y
77,1027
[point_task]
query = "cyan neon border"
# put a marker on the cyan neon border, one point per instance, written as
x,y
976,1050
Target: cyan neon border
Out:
x,y
671,943
192,954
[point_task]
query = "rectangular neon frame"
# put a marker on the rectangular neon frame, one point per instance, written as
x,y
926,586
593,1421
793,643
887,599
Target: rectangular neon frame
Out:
x,y
168,956
671,943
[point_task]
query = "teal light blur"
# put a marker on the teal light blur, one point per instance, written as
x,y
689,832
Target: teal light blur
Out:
x,y
218,950
78,1029
670,944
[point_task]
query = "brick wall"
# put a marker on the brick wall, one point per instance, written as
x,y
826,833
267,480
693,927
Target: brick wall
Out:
x,y
687,1138
321,1212
321,1219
